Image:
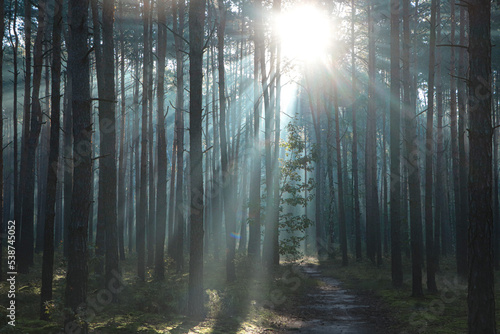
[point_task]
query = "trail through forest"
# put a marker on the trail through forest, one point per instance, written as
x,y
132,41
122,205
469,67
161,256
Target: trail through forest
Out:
x,y
332,309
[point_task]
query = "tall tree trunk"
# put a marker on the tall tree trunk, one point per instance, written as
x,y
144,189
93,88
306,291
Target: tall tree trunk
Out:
x,y
179,188
226,175
463,222
196,41
2,29
454,134
100,242
481,292
122,209
372,206
151,175
107,129
26,114
340,180
15,46
78,62
143,196
254,200
395,191
412,159
277,117
53,164
28,191
136,142
161,203
429,154
438,191
330,148
357,212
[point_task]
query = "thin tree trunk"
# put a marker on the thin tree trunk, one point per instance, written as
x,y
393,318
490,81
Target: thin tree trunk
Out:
x,y
412,159
53,164
107,129
372,206
429,154
122,209
28,191
342,218
2,28
463,221
439,208
196,41
226,177
162,146
254,209
454,139
143,199
395,191
357,212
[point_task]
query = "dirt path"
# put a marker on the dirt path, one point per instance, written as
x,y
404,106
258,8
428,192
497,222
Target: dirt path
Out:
x,y
332,309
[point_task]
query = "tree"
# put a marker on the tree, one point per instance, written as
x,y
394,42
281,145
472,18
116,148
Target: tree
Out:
x,y
342,218
161,199
463,220
429,153
78,62
32,133
53,163
122,208
2,28
412,160
196,41
229,219
254,200
454,135
372,207
143,199
355,178
178,243
481,293
107,128
395,191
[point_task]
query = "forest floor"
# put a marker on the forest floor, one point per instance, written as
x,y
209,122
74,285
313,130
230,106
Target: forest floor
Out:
x,y
304,297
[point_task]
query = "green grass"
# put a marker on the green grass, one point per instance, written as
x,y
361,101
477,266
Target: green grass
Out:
x,y
254,302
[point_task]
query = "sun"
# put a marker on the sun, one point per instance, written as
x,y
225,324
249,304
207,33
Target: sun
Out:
x,y
305,33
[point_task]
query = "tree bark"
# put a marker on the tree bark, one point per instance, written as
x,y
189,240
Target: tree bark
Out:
x,y
143,196
107,128
32,137
412,159
78,62
53,163
372,205
429,153
481,292
122,208
196,41
355,177
395,189
161,203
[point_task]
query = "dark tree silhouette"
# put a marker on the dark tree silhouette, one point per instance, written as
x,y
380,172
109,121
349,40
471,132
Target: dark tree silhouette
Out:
x,y
481,293
395,118
196,42
78,63
53,163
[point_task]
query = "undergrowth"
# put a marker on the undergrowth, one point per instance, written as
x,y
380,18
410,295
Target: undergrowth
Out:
x,y
254,302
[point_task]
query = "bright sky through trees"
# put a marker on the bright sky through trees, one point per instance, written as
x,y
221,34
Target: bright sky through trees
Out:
x,y
305,32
